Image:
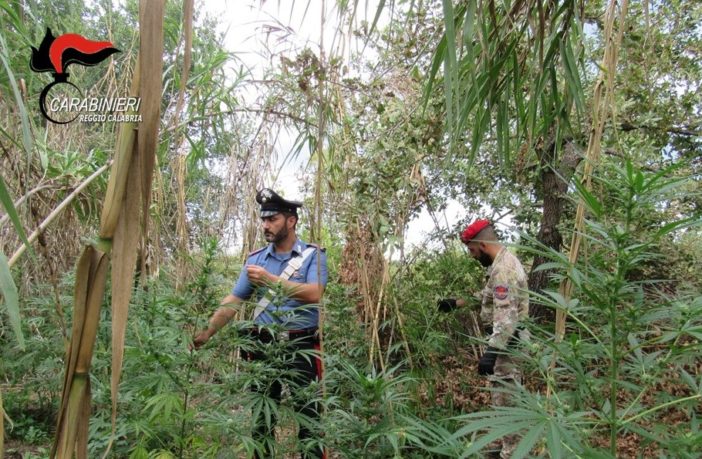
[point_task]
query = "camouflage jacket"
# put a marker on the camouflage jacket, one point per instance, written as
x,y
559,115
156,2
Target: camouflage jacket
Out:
x,y
505,300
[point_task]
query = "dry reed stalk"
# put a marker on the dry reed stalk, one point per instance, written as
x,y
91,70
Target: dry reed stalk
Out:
x,y
601,105
159,203
56,212
368,272
91,274
134,160
251,228
138,182
124,259
405,342
376,317
476,331
22,199
321,132
364,267
180,159
229,205
180,172
116,185
74,412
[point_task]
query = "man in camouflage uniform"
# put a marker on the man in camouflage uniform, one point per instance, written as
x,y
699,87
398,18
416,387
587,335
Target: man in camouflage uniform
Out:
x,y
504,304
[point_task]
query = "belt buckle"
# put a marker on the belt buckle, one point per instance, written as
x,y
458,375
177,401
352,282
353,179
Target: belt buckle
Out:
x,y
284,335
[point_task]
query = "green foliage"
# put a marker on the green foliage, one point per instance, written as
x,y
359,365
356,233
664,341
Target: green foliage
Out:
x,y
512,90
367,413
32,400
629,341
179,403
432,334
498,64
10,299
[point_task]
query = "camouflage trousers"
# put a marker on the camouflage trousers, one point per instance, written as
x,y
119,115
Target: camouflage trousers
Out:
x,y
507,376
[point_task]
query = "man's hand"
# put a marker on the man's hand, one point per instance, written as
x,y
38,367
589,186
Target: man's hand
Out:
x,y
201,339
449,304
219,319
446,304
259,276
486,365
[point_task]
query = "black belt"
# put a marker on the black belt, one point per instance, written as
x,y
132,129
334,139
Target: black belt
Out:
x,y
266,335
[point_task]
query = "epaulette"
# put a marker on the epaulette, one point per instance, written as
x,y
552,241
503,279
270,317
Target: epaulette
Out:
x,y
317,247
257,251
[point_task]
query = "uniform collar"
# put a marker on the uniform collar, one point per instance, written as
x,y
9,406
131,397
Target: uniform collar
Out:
x,y
298,247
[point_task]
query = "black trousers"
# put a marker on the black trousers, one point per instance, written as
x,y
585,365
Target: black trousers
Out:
x,y
298,369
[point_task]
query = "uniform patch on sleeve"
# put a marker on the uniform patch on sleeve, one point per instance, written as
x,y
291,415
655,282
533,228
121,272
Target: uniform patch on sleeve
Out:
x,y
501,292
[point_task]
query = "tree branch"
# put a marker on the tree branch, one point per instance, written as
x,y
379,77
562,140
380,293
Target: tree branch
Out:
x,y
691,131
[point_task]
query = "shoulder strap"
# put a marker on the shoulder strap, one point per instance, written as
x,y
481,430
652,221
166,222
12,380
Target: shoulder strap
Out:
x,y
256,251
296,262
317,246
293,265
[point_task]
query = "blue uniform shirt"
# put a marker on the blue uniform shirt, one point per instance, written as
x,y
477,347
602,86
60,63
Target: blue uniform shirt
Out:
x,y
290,313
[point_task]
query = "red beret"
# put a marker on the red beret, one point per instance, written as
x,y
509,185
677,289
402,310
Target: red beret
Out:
x,y
473,229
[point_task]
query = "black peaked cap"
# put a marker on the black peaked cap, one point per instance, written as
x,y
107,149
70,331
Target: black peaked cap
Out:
x,y
272,203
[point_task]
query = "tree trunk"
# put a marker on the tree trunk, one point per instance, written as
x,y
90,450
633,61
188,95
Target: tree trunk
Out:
x,y
554,184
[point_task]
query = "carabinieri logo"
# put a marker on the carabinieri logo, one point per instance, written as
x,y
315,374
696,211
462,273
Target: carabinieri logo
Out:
x,y
54,55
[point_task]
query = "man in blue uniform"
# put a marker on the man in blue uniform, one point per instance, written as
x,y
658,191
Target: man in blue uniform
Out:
x,y
286,279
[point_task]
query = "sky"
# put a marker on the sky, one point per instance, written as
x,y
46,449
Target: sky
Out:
x,y
251,26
